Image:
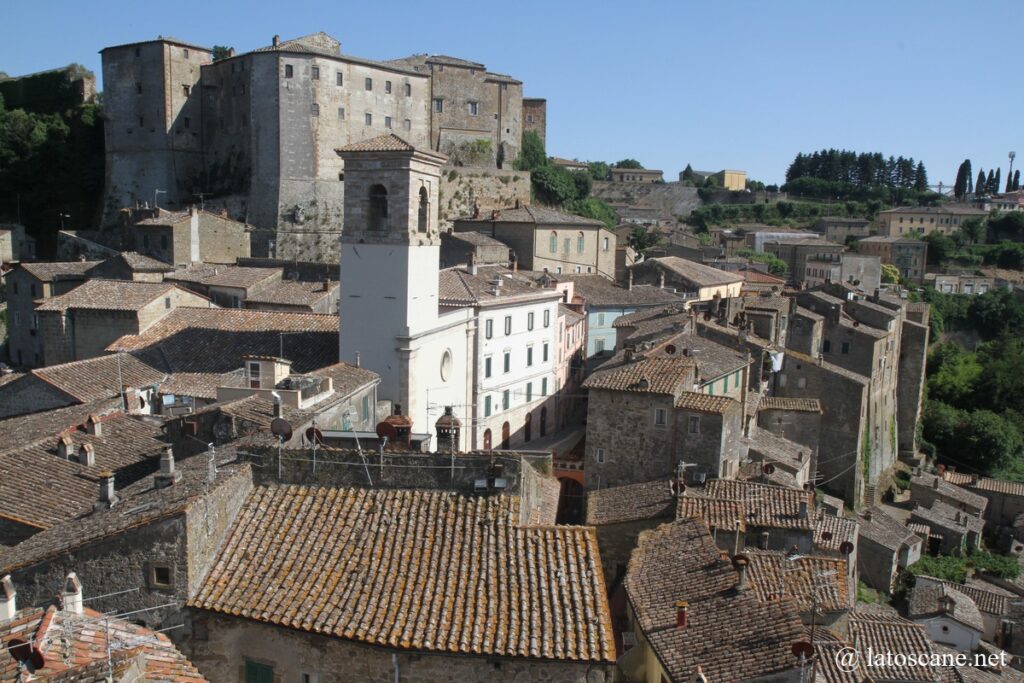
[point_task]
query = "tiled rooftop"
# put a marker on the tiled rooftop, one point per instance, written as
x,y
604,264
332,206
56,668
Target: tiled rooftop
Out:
x,y
108,295
460,287
100,377
597,290
773,576
884,530
417,570
801,405
221,275
27,429
537,215
729,634
48,272
941,516
292,293
655,375
885,631
85,648
927,601
716,513
388,142
948,490
987,601
476,238
766,505
831,531
705,403
696,273
633,502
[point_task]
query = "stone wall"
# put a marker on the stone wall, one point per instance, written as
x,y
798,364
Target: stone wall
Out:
x,y
71,246
221,645
802,427
29,394
535,117
635,450
674,199
464,188
910,384
222,240
616,543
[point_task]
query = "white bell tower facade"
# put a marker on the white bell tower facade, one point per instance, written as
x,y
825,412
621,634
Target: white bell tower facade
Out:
x,y
389,309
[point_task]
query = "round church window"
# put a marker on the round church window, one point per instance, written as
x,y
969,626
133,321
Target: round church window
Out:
x,y
446,365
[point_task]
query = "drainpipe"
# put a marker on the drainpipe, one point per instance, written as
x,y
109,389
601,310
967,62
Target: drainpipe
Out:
x,y
394,663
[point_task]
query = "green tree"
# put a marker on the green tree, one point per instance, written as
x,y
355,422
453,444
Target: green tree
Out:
x,y
628,163
641,239
979,184
687,173
599,170
584,183
996,181
963,177
973,230
953,375
592,207
1016,181
940,248
920,178
1009,225
553,185
988,440
221,52
890,273
532,155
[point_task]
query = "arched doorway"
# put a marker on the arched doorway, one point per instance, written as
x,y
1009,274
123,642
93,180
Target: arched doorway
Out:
x,y
528,428
544,421
506,432
487,439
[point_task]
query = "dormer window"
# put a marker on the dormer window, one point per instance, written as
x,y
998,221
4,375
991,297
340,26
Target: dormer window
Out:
x,y
377,217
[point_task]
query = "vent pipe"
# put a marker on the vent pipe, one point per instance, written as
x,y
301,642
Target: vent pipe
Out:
x,y
8,599
72,595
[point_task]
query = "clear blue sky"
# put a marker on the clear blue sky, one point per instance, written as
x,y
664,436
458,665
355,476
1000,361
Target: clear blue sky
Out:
x,y
743,85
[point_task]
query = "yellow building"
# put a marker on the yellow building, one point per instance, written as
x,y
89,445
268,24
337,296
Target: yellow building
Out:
x,y
732,180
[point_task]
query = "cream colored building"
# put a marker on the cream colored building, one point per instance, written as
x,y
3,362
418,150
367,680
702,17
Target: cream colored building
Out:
x,y
732,180
694,281
945,219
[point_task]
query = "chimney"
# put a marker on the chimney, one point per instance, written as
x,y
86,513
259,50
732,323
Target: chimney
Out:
x,y
231,52
73,595
108,496
277,403
661,279
974,480
87,455
803,509
740,564
629,283
125,400
472,263
168,475
64,447
93,426
276,41
8,604
327,285
682,613
867,515
357,359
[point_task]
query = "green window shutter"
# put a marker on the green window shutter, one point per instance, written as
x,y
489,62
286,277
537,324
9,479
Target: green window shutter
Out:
x,y
487,406
258,673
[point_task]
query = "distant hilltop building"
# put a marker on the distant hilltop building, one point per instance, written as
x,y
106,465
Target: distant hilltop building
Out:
x,y
51,91
256,133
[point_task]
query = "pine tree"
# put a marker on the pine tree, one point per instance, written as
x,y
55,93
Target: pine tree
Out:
x,y
979,184
996,183
920,178
970,177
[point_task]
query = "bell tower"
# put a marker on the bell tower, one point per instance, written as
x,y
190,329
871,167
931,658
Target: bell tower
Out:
x,y
390,255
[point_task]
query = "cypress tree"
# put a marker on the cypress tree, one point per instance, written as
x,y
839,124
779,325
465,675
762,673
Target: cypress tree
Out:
x,y
1016,180
996,183
920,178
960,186
990,182
979,184
970,177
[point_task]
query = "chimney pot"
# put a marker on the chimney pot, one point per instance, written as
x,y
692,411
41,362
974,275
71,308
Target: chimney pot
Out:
x,y
94,426
87,455
108,494
73,594
276,41
168,474
8,599
64,447
277,404
740,564
682,613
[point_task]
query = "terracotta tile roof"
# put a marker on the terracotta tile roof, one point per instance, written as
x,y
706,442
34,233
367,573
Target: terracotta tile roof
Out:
x,y
459,287
258,412
828,668
752,276
696,273
27,429
654,375
347,378
197,346
109,295
40,488
140,504
773,576
783,453
137,262
597,290
941,516
766,505
884,530
716,513
831,531
75,648
754,471
927,601
947,490
987,601
1011,488
800,405
48,272
887,632
922,530
221,275
958,478
164,217
389,142
101,377
730,634
419,570
571,317
476,238
705,403
292,293
630,503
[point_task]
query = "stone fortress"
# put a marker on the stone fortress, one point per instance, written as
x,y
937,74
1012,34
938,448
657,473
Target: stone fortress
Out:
x,y
256,134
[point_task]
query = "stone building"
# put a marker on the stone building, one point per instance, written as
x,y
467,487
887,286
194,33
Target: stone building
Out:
x,y
431,612
620,513
255,133
838,228
885,548
799,253
185,237
547,239
928,488
949,616
820,586
955,530
52,91
463,248
535,117
636,175
26,285
945,219
227,286
694,616
83,322
692,280
961,283
909,255
1005,498
130,265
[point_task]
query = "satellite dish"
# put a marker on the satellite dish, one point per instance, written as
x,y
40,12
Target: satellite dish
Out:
x,y
670,349
281,429
386,430
768,468
846,547
802,649
314,435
